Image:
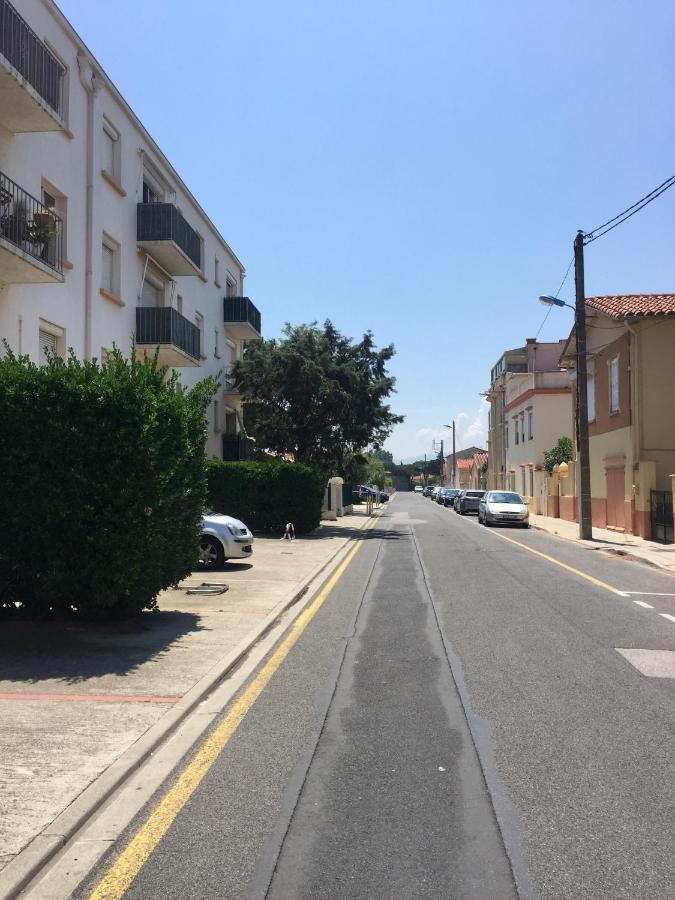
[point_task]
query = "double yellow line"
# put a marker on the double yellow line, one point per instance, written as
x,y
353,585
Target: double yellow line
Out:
x,y
128,864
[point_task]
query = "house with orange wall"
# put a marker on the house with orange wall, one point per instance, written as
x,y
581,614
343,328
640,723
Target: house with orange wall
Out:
x,y
631,409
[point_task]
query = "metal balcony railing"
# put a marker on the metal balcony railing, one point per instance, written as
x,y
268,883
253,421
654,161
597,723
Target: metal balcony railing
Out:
x,y
241,309
30,225
24,50
163,222
165,325
236,448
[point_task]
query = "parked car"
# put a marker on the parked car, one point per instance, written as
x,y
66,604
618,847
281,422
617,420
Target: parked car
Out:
x,y
503,508
468,501
434,492
223,538
366,491
418,489
458,497
449,496
427,489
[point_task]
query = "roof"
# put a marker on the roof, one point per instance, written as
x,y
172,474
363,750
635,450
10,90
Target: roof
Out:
x,y
464,463
480,458
626,306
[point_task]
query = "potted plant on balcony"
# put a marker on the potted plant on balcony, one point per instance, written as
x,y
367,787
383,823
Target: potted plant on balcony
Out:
x,y
41,231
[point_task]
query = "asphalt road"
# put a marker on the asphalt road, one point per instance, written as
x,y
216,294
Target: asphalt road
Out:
x,y
456,721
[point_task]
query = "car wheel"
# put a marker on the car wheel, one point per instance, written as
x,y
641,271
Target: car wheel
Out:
x,y
211,553
525,525
486,521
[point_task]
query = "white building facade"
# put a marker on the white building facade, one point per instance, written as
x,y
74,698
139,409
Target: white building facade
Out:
x,y
101,242
538,411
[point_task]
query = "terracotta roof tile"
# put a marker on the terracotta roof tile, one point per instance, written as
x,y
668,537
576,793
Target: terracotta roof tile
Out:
x,y
464,463
629,305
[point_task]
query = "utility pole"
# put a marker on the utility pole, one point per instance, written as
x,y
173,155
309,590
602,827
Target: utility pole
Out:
x,y
442,463
584,468
425,470
454,464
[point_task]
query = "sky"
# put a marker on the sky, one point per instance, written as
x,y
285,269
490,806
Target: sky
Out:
x,y
414,169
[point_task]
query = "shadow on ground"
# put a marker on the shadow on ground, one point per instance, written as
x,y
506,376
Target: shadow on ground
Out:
x,y
75,652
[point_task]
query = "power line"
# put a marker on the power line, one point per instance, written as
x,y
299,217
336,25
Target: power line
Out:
x,y
557,294
619,219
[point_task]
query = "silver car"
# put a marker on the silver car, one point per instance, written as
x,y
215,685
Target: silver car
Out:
x,y
223,538
503,508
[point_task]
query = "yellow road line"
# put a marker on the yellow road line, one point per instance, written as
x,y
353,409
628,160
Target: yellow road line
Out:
x,y
557,562
126,867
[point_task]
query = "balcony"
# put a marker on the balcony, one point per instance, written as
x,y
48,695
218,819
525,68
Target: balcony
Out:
x,y
168,239
230,389
237,448
31,77
31,238
163,328
242,318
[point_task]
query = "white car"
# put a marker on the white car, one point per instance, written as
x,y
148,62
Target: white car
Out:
x,y
503,508
418,489
223,538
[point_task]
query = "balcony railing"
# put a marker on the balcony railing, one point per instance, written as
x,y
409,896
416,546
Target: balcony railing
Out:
x,y
240,311
165,326
236,447
158,222
24,50
30,225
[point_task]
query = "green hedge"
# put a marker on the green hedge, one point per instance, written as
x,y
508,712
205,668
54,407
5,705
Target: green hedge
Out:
x,y
102,484
267,495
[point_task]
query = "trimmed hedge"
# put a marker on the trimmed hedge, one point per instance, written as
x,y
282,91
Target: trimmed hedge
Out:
x,y
267,495
102,484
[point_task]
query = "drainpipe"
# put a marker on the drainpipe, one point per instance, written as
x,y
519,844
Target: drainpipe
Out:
x,y
89,81
636,411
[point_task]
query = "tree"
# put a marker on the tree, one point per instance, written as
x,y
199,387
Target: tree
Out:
x,y
385,458
316,394
562,452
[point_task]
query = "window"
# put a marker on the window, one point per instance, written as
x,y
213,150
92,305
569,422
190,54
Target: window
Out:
x,y
614,385
153,291
230,423
522,477
199,322
111,150
531,494
522,428
110,266
216,275
50,341
150,195
230,288
590,396
56,201
506,435
216,345
179,304
529,425
516,432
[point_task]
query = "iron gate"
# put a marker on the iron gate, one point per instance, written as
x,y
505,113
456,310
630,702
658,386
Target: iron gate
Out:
x,y
662,516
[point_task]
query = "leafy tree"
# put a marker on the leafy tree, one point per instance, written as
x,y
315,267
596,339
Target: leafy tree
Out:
x,y
562,452
317,394
385,458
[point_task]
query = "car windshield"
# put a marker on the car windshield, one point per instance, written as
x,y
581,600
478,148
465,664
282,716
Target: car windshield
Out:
x,y
475,493
505,497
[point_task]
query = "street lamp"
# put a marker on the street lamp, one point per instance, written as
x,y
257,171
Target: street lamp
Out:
x,y
453,452
584,481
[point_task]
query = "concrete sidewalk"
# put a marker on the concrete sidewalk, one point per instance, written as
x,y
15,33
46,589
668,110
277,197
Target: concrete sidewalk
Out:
x,y
660,555
74,698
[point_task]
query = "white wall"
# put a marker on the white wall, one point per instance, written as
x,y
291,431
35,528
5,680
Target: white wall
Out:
x,y
59,159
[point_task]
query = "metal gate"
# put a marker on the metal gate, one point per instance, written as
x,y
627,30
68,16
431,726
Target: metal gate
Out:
x,y
662,516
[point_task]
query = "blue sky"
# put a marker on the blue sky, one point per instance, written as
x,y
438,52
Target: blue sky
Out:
x,y
414,169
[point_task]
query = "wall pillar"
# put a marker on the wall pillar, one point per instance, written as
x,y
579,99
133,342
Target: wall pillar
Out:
x,y
335,489
645,483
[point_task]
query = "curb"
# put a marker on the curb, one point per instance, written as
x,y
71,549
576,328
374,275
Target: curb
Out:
x,y
598,545
28,863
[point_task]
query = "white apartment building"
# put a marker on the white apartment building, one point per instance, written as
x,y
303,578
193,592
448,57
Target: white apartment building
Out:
x,y
101,242
537,411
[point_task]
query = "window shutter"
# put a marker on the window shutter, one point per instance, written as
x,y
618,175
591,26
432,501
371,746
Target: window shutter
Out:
x,y
47,344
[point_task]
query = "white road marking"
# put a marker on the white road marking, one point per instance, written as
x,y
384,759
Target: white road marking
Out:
x,y
668,616
653,663
647,594
642,603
